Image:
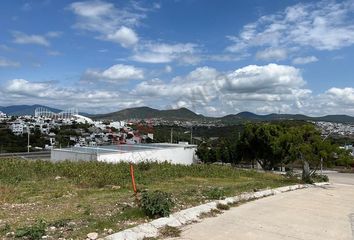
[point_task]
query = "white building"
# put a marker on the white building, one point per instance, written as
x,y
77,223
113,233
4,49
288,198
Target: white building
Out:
x,y
134,153
117,125
18,127
2,115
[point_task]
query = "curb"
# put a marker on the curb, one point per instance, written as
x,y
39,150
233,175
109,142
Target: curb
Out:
x,y
189,215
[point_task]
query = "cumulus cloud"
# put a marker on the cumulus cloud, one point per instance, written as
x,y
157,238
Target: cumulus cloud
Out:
x,y
305,60
115,73
110,22
8,63
125,36
250,86
321,25
18,91
261,89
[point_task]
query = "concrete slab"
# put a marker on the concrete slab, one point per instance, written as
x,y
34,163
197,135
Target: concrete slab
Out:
x,y
323,212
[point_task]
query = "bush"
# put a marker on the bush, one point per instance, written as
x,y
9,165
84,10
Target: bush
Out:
x,y
320,178
156,204
33,232
214,193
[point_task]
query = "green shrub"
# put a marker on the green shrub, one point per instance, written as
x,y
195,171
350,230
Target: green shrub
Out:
x,y
156,203
319,177
221,206
214,193
33,232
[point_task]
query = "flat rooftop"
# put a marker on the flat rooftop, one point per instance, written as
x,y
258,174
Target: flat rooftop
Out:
x,y
124,148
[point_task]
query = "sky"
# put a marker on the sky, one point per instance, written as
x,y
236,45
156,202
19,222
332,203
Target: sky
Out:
x,y
212,57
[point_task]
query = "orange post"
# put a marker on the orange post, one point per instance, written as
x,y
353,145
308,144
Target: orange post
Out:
x,y
133,178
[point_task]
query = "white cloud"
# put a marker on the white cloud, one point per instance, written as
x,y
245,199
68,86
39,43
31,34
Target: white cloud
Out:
x,y
168,69
270,77
247,88
272,54
116,73
54,34
321,25
305,60
19,91
111,23
125,36
261,89
165,53
22,38
8,63
27,88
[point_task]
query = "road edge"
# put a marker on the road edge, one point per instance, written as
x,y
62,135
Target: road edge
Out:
x,y
190,215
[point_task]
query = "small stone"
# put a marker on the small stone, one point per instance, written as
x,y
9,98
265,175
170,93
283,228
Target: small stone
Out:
x,y
52,228
114,187
92,236
110,231
9,234
44,237
57,178
71,224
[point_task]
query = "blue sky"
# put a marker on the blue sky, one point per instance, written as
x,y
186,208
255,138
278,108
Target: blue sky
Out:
x,y
213,57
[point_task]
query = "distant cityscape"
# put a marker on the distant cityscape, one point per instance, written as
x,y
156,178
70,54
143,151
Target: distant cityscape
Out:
x,y
69,128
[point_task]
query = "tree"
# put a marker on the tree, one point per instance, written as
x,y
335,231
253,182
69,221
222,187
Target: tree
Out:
x,y
305,144
259,142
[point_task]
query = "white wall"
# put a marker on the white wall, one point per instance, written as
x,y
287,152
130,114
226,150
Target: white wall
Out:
x,y
178,155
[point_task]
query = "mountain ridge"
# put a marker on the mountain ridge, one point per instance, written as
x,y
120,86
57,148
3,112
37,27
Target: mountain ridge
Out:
x,y
185,114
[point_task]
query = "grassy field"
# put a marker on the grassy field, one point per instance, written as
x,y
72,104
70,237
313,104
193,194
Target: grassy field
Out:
x,y
73,199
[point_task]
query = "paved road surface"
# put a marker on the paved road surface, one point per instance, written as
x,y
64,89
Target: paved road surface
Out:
x,y
311,214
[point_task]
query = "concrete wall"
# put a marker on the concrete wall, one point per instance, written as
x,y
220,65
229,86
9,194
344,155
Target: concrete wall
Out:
x,y
178,155
63,154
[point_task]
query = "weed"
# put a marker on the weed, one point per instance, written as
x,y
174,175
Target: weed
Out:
x,y
156,203
169,231
319,177
211,213
60,223
5,228
223,206
33,232
214,193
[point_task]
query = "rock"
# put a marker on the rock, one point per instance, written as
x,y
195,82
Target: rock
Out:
x,y
92,236
115,187
44,237
52,228
10,234
71,224
110,231
57,178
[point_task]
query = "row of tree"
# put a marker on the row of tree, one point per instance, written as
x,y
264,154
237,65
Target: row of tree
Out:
x,y
274,145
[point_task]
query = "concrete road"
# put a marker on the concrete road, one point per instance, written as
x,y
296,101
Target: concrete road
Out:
x,y
315,213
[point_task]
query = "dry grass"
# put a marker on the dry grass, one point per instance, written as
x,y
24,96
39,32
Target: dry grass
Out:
x,y
82,197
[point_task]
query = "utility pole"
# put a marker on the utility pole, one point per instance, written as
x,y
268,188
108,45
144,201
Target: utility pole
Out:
x,y
28,139
322,157
171,135
191,135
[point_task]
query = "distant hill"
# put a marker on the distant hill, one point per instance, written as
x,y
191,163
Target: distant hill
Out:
x,y
17,110
147,112
248,116
181,114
